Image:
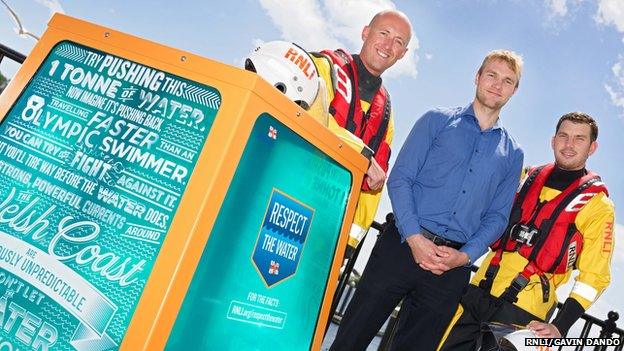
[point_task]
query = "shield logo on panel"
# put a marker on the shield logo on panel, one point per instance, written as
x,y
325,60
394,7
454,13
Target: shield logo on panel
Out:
x,y
282,237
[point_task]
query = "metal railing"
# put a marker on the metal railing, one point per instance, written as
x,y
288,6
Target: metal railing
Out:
x,y
346,288
12,55
6,51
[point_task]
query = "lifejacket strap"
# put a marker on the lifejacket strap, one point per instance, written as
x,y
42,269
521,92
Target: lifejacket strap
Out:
x,y
517,285
545,287
492,271
488,280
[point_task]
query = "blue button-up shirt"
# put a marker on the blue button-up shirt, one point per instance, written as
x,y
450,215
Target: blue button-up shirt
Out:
x,y
455,180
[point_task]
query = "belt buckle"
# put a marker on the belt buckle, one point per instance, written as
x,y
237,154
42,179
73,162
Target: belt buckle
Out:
x,y
435,239
438,240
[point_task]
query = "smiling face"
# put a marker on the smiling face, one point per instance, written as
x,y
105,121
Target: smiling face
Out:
x,y
385,41
496,83
572,145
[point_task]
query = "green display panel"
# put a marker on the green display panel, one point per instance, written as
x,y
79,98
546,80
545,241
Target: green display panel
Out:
x,y
262,275
95,155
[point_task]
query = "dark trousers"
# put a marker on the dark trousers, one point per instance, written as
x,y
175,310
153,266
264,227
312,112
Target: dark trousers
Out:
x,y
391,275
480,307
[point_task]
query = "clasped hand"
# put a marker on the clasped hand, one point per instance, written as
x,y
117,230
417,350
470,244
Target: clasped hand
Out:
x,y
433,258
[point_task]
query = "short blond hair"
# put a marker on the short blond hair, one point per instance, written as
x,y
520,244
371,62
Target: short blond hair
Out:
x,y
512,59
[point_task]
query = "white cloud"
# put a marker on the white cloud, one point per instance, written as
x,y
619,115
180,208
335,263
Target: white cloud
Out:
x,y
611,12
557,7
561,14
301,22
331,24
616,88
52,5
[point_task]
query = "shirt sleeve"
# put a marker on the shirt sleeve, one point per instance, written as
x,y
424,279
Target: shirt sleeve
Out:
x,y
405,171
595,222
496,217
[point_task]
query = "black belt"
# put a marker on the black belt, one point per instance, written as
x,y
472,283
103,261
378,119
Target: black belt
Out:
x,y
440,241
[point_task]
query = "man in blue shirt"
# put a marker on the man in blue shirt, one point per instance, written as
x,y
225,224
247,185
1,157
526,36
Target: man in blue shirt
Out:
x,y
451,189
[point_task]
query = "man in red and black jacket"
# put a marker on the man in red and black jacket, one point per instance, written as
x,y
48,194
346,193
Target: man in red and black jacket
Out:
x,y
562,220
360,104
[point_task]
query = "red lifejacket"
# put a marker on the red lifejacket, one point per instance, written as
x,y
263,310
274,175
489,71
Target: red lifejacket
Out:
x,y
371,126
544,232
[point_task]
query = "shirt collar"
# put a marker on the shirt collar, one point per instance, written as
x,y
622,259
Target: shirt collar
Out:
x,y
469,111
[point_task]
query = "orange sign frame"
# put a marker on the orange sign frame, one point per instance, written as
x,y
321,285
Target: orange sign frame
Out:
x,y
245,96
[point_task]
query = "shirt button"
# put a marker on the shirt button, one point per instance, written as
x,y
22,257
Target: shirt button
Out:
x,y
463,191
477,151
470,170
454,213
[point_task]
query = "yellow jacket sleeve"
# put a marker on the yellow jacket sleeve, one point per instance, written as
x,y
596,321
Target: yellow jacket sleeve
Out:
x,y
595,222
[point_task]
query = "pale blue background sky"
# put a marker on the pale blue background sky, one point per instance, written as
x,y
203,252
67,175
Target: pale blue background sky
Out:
x,y
573,51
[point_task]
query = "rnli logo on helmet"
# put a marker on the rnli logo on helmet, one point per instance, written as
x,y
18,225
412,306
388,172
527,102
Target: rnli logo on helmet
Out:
x,y
281,238
302,61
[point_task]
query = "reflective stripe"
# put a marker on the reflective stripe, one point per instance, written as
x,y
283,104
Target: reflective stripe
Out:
x,y
357,232
584,290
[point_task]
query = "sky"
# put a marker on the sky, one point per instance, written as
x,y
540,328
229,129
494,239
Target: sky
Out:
x,y
573,52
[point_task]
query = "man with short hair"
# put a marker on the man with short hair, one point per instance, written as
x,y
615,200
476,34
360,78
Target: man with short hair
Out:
x,y
562,220
451,190
350,100
360,104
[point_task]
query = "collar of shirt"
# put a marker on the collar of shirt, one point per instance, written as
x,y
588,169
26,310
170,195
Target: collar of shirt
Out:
x,y
468,112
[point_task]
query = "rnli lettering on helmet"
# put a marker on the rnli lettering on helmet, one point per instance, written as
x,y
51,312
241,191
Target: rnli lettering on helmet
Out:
x,y
578,202
300,60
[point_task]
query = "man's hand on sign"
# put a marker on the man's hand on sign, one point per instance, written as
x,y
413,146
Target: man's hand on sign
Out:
x,y
375,176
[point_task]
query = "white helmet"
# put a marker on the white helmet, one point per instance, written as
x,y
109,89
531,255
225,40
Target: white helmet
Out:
x,y
288,68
